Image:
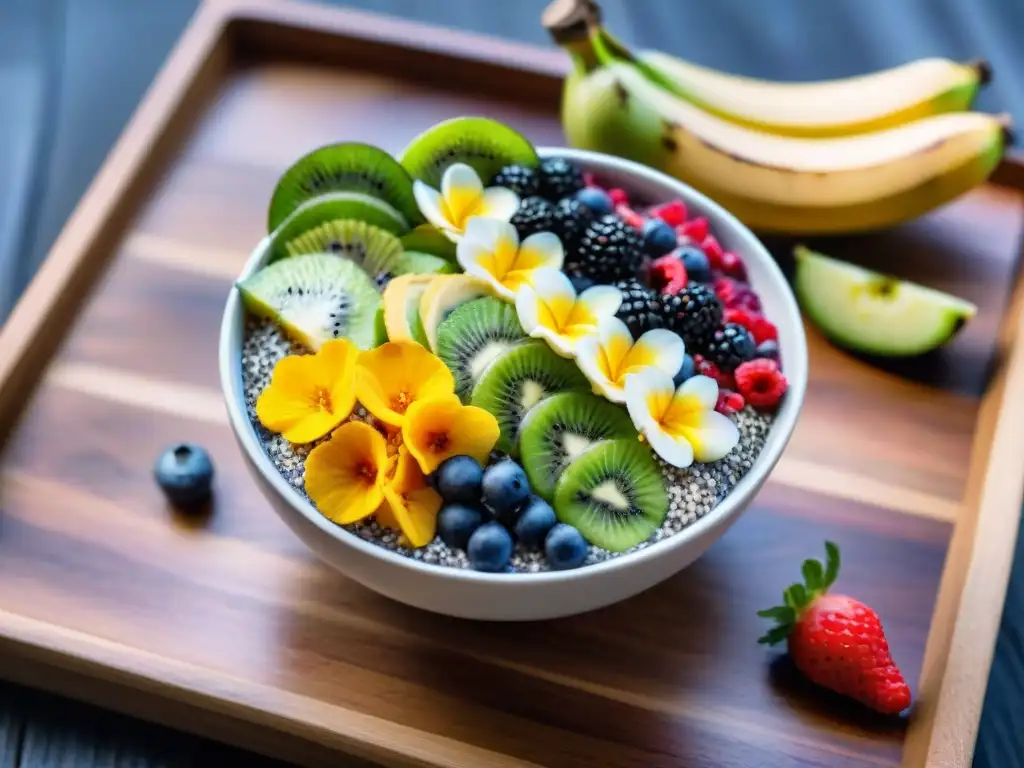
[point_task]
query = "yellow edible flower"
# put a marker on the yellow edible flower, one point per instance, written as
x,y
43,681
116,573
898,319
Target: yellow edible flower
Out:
x,y
435,430
462,197
390,378
680,424
410,504
491,251
345,476
309,395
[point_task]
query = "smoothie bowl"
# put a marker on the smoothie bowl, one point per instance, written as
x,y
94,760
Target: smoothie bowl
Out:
x,y
503,382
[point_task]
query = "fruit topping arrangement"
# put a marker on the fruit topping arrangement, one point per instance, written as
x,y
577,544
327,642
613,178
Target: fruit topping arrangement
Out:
x,y
476,357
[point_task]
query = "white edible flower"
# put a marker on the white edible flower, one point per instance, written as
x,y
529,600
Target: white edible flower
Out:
x,y
608,356
490,250
549,309
679,424
462,197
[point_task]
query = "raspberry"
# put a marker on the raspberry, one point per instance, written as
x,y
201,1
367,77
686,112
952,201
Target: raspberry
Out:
x,y
733,266
631,217
761,382
695,229
618,196
760,327
713,250
590,179
673,214
729,402
707,368
667,275
734,295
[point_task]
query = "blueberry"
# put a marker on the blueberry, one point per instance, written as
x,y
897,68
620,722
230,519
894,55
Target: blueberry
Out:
x,y
769,349
697,267
185,474
596,200
458,480
536,519
659,238
581,283
565,547
456,523
688,369
490,547
505,488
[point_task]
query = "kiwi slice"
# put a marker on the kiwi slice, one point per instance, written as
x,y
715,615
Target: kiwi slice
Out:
x,y
339,206
518,380
560,429
480,142
614,494
415,263
374,249
427,239
474,336
316,297
345,167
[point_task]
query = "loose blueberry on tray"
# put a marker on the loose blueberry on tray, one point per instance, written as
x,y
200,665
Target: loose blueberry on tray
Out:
x,y
185,474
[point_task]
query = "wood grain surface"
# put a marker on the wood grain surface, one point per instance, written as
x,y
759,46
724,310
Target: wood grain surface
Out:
x,y
228,626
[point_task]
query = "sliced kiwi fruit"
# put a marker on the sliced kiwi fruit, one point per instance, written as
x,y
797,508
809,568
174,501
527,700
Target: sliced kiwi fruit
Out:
x,y
518,380
415,263
473,336
442,297
345,167
560,429
614,494
402,308
316,297
428,239
480,142
374,249
340,206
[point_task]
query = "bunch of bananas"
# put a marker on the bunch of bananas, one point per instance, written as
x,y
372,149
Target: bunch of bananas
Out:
x,y
840,156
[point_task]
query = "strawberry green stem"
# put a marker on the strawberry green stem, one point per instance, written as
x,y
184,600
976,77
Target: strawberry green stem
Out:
x,y
797,597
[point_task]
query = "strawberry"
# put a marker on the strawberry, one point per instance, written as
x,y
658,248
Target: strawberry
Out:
x,y
673,213
695,229
667,275
837,641
618,196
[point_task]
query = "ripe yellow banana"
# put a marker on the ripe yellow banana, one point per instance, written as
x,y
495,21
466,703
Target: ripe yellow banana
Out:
x,y
781,183
841,107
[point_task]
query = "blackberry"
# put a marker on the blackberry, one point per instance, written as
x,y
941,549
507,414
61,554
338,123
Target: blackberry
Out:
x,y
640,310
730,346
559,178
520,179
609,250
694,313
570,219
535,214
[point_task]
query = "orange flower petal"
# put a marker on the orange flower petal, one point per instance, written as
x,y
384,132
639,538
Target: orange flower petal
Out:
x,y
395,375
309,395
412,502
437,429
345,476
386,516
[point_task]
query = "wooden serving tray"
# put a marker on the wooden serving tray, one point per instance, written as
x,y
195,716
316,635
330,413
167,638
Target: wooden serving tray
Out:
x,y
229,627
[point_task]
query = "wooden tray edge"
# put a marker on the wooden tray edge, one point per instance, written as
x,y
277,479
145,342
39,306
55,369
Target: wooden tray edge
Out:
x,y
969,605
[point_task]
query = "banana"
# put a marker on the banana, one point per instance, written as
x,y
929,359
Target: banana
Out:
x,y
780,183
842,107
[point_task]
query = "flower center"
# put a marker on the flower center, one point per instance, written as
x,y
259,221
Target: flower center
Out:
x,y
322,400
366,471
401,402
437,441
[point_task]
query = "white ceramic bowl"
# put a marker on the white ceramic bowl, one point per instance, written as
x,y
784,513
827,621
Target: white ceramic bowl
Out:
x,y
512,597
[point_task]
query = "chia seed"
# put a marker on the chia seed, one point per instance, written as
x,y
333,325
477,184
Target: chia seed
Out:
x,y
693,492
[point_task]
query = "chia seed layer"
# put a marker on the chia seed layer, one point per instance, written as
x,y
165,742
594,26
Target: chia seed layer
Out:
x,y
693,492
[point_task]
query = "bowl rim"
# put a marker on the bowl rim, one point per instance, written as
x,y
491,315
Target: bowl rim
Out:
x,y
721,514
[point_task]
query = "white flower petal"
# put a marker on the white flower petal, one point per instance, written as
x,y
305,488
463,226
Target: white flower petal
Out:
x,y
703,388
649,393
589,354
487,233
541,249
553,286
677,452
528,309
462,190
563,346
431,205
658,347
597,303
715,437
498,203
